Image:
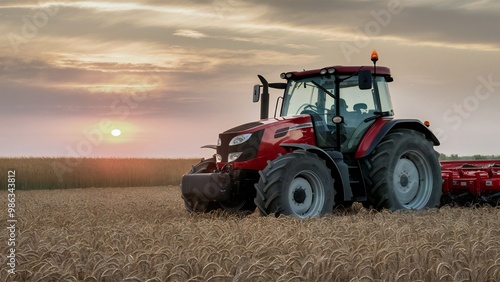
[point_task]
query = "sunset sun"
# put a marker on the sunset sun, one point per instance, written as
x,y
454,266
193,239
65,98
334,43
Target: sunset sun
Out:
x,y
116,132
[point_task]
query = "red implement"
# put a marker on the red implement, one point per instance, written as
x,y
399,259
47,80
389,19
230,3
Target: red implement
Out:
x,y
471,181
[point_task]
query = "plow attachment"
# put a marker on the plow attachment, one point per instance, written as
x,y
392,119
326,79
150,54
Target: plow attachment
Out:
x,y
469,182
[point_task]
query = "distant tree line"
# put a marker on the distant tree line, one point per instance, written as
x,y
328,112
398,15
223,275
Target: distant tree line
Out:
x,y
453,157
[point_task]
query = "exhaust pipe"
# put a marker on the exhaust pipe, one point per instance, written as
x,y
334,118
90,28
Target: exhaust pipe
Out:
x,y
264,103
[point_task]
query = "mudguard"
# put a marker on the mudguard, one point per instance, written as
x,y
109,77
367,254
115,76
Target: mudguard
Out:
x,y
381,128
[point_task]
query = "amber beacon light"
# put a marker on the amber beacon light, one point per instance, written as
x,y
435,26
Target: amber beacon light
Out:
x,y
374,56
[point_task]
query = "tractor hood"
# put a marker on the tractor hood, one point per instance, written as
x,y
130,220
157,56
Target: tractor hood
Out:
x,y
251,145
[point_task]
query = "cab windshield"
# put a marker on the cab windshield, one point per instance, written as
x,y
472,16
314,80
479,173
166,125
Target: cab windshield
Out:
x,y
315,96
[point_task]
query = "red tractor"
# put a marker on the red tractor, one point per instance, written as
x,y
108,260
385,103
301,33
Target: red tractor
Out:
x,y
335,142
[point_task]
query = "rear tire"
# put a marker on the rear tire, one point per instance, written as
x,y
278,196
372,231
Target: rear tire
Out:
x,y
298,184
194,205
403,172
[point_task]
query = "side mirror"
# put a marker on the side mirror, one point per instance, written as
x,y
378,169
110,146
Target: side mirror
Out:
x,y
365,79
256,93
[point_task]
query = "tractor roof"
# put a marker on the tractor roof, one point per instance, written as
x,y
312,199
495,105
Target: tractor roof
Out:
x,y
383,71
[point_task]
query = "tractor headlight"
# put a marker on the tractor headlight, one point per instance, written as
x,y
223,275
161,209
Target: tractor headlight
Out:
x,y
218,158
233,156
239,139
219,142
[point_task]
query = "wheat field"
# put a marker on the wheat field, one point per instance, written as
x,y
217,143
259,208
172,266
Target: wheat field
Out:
x,y
144,234
61,173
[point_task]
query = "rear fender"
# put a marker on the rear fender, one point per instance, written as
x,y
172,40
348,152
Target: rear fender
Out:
x,y
334,161
383,126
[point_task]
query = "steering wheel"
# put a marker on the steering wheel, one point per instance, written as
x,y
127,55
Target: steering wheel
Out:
x,y
307,107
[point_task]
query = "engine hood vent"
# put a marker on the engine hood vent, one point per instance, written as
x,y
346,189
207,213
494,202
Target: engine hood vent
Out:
x,y
243,127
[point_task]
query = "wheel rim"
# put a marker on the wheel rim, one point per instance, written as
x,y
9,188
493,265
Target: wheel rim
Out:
x,y
306,195
412,180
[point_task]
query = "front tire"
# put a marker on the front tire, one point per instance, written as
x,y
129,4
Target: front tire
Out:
x,y
298,184
403,172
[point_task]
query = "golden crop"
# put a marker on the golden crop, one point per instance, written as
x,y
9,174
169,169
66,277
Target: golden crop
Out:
x,y
144,234
57,173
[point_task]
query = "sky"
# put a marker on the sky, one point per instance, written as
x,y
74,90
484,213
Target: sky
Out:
x,y
172,75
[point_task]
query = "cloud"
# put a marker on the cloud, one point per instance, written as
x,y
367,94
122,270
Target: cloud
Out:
x,y
190,33
447,24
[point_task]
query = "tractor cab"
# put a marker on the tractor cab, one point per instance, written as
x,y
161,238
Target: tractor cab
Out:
x,y
343,102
